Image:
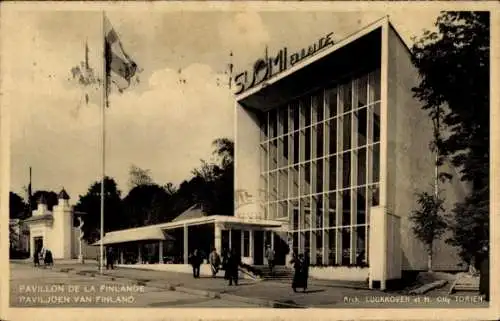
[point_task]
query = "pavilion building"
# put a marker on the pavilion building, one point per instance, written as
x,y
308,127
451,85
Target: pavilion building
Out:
x,y
330,149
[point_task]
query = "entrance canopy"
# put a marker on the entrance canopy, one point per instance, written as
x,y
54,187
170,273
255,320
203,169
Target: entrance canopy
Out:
x,y
155,232
147,233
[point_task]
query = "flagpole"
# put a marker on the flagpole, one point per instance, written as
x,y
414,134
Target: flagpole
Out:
x,y
103,131
30,204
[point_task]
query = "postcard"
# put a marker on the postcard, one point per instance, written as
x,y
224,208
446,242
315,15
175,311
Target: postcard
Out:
x,y
225,160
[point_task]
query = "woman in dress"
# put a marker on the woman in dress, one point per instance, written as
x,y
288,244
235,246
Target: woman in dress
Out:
x,y
36,258
49,261
296,275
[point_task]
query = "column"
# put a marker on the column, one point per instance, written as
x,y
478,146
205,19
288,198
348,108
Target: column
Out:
x,y
218,237
121,257
230,239
251,246
312,234
242,245
302,237
264,247
32,247
272,239
186,248
326,233
160,252
289,242
140,254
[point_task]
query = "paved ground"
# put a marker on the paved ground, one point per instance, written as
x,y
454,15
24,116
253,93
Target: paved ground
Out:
x,y
35,287
247,293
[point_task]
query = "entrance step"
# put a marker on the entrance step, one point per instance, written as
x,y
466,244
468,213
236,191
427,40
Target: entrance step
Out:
x,y
465,282
263,272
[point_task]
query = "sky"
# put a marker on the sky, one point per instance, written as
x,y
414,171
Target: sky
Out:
x,y
160,124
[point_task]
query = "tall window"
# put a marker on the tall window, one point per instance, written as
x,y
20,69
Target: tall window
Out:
x,y
320,168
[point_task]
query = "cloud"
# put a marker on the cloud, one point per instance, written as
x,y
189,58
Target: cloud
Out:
x,y
167,129
245,34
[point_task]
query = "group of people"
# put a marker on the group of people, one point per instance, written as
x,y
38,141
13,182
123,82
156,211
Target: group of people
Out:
x,y
229,261
45,255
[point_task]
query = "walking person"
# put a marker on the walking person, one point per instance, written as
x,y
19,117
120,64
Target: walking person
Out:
x,y
270,258
196,263
305,268
299,276
36,258
225,258
48,260
214,260
234,262
42,255
110,260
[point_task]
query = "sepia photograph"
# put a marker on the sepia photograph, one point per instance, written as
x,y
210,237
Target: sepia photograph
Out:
x,y
248,159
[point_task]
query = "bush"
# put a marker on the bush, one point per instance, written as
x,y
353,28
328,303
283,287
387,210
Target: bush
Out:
x,y
16,254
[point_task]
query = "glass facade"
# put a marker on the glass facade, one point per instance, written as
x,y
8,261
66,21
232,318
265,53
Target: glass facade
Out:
x,y
320,168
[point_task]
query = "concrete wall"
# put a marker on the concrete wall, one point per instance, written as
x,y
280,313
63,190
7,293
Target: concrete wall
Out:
x,y
61,232
377,243
410,164
339,273
247,165
393,246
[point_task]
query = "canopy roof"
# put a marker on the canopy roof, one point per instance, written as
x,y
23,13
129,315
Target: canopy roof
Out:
x,y
193,212
155,232
148,233
38,218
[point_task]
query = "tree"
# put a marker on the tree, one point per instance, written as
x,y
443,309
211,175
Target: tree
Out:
x,y
224,150
469,222
145,205
13,237
139,176
49,196
17,206
90,203
214,182
428,222
454,67
170,188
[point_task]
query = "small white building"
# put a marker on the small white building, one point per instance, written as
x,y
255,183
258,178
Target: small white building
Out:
x,y
54,229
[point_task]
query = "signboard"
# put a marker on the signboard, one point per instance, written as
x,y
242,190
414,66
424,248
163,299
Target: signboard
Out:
x,y
265,68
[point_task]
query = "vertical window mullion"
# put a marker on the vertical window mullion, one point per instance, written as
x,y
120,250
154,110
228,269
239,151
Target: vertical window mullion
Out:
x,y
269,155
354,177
326,180
369,175
339,176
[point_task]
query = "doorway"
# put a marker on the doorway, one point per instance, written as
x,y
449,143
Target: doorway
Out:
x,y
38,243
258,247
